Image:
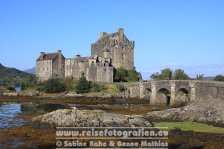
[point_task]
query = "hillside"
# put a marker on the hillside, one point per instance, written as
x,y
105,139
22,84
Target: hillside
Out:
x,y
12,76
31,70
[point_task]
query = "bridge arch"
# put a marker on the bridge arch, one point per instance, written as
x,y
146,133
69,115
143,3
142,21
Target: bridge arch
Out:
x,y
163,96
182,96
147,93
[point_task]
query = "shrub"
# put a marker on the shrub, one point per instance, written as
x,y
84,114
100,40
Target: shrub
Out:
x,y
96,87
10,88
120,87
54,85
69,82
120,75
83,86
219,78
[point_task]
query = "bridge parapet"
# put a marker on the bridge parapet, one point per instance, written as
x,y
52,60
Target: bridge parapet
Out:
x,y
174,91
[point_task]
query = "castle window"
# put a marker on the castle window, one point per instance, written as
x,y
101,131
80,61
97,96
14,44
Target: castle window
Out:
x,y
92,63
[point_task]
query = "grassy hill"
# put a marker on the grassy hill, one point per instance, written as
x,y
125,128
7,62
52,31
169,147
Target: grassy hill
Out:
x,y
12,76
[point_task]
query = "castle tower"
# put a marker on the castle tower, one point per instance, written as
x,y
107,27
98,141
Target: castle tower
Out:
x,y
120,49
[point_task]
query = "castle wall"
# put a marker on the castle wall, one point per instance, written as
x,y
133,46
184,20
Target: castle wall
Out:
x,y
105,74
58,67
95,72
79,69
43,70
55,67
91,73
69,65
61,65
100,73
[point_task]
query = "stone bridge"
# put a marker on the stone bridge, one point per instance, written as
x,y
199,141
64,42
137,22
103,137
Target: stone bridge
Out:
x,y
172,92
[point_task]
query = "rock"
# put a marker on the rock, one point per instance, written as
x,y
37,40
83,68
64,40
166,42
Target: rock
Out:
x,y
209,111
33,94
10,94
74,108
88,118
107,95
73,94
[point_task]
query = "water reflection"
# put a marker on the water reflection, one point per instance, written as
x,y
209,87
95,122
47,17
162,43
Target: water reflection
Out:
x,y
41,108
8,113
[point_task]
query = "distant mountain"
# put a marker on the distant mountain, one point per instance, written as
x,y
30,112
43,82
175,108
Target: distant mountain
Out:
x,y
12,76
209,78
31,70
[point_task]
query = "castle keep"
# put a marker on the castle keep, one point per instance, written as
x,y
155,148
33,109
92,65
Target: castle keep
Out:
x,y
108,52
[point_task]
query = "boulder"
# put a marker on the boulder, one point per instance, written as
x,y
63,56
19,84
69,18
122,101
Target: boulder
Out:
x,y
88,118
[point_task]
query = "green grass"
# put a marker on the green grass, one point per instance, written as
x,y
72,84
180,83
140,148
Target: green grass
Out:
x,y
191,126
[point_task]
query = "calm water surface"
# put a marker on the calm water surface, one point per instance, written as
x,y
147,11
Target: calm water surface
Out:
x,y
8,113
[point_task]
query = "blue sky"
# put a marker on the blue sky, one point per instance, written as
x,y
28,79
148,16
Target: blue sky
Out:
x,y
187,34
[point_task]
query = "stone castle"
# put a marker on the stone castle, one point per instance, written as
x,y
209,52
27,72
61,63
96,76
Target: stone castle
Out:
x,y
109,52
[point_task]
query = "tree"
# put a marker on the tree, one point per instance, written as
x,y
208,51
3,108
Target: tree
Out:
x,y
155,76
120,75
28,82
10,88
179,74
166,74
54,85
200,77
123,75
133,76
83,86
219,78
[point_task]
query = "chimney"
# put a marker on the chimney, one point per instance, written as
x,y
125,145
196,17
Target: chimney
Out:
x,y
59,56
103,34
42,54
121,34
60,64
77,56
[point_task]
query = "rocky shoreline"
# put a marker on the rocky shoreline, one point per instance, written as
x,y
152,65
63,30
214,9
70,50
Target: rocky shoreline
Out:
x,y
209,111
